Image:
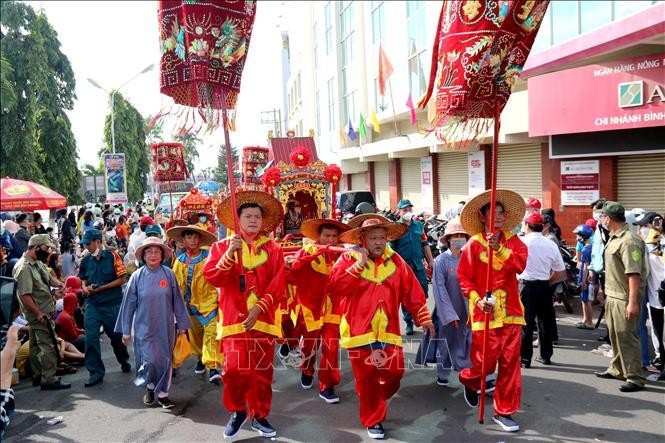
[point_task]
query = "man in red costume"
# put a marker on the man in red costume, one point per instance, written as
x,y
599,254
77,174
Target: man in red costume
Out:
x,y
316,312
504,308
373,281
249,321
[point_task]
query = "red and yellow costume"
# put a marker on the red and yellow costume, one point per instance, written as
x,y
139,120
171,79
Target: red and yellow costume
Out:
x,y
315,316
370,324
248,355
201,299
506,320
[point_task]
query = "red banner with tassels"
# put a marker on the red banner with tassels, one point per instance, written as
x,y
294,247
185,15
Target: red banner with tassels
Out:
x,y
168,161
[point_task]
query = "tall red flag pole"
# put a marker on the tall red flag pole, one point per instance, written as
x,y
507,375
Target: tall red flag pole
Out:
x,y
232,190
490,255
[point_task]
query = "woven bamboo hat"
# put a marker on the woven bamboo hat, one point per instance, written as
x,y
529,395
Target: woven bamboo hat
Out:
x,y
207,238
454,227
360,218
393,229
310,228
513,204
154,241
272,209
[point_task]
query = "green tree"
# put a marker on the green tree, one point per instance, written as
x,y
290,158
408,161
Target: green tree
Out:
x,y
36,136
130,138
7,92
89,169
191,144
220,174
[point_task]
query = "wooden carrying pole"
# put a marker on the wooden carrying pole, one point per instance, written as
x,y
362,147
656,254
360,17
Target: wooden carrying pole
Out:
x,y
232,191
490,258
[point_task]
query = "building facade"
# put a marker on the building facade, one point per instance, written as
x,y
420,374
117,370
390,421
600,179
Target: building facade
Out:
x,y
586,120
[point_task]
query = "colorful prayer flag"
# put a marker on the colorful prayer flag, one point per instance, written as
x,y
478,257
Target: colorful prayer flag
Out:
x,y
361,126
409,103
385,71
375,122
342,137
352,133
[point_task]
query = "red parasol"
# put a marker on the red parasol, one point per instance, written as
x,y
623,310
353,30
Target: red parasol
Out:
x,y
23,195
204,48
479,50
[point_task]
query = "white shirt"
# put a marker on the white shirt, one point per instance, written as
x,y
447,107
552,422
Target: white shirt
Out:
x,y
656,275
543,259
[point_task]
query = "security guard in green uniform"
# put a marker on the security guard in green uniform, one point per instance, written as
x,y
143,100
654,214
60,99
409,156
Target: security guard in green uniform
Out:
x,y
413,248
103,274
33,286
625,279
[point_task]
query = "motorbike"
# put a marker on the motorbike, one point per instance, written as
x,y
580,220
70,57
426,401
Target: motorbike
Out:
x,y
565,289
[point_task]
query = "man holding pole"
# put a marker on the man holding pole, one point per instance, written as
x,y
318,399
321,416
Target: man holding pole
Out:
x,y
316,310
249,312
506,314
374,282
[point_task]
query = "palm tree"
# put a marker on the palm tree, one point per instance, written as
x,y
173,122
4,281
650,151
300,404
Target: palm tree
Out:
x,y
89,169
7,92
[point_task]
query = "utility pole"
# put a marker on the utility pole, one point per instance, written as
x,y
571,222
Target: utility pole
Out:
x,y
273,117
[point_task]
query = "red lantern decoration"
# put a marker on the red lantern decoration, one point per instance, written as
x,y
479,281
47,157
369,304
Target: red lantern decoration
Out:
x,y
300,156
333,174
271,177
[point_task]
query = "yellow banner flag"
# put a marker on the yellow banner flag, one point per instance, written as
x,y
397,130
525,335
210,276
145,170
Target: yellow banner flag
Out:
x,y
375,122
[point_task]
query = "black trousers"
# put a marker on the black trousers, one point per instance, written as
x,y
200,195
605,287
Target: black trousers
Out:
x,y
657,321
537,304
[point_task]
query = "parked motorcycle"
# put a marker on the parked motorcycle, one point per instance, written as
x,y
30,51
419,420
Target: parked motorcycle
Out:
x,y
565,289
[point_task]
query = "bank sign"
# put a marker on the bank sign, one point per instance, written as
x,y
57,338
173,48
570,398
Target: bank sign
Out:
x,y
617,95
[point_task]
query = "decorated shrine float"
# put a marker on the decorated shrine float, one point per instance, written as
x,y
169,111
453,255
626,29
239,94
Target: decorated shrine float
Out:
x,y
304,185
194,205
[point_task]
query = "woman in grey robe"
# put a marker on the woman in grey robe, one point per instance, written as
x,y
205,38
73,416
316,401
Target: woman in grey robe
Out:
x,y
154,306
453,340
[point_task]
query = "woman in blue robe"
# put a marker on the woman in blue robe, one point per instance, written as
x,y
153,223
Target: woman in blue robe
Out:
x,y
154,306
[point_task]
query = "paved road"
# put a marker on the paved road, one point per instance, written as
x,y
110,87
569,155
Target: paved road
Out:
x,y
560,403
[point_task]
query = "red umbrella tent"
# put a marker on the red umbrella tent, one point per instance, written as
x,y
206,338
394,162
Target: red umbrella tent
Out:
x,y
23,195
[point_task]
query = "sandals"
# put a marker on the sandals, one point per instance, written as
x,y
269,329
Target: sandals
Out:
x,y
582,325
64,368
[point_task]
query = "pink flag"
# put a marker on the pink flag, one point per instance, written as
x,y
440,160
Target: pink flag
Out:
x,y
409,103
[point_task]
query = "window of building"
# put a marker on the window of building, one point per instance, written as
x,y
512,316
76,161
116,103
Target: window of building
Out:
x,y
315,45
593,15
416,26
348,84
625,8
378,21
330,86
565,15
327,13
317,106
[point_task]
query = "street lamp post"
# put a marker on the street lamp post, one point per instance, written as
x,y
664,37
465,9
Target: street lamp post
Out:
x,y
148,68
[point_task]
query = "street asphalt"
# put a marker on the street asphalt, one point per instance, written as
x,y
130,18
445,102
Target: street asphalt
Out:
x,y
564,402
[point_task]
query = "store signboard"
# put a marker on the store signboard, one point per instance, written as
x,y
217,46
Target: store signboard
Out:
x,y
625,94
116,178
476,172
426,185
580,182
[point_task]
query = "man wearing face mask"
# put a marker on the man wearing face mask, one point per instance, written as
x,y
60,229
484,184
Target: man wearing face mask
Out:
x,y
597,266
626,271
33,286
103,274
413,248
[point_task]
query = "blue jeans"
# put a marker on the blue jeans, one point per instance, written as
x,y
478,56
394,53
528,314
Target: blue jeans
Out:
x,y
95,317
643,332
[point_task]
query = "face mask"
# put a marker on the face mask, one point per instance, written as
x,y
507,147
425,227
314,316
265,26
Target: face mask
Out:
x,y
580,241
203,219
596,216
42,255
407,217
644,232
97,251
457,243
